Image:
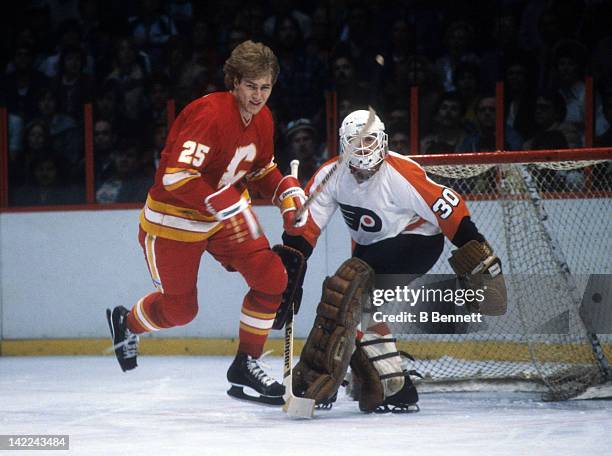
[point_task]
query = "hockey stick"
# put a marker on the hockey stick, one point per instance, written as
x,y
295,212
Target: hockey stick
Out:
x,y
319,188
298,407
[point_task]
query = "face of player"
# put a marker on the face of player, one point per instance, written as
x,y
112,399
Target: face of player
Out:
x,y
252,95
362,174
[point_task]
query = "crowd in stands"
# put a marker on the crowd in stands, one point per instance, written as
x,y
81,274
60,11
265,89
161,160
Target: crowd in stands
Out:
x,y
128,57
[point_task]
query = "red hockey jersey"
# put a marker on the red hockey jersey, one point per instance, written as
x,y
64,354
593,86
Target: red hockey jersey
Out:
x,y
208,147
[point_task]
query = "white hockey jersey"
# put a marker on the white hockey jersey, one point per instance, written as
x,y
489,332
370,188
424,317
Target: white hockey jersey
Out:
x,y
399,198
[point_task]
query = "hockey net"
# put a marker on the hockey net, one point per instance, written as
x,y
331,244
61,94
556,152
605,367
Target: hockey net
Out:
x,y
548,215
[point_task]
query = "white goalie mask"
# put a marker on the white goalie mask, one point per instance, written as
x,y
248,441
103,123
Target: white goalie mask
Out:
x,y
364,151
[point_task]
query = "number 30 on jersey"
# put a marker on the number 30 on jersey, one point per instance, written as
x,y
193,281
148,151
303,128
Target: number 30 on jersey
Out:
x,y
445,204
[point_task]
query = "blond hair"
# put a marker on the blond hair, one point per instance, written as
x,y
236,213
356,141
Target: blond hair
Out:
x,y
250,60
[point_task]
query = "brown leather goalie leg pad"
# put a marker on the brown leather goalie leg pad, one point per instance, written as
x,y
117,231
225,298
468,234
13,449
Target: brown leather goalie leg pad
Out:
x,y
326,355
371,390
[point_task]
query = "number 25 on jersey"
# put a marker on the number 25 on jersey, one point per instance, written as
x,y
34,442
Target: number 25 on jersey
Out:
x,y
193,153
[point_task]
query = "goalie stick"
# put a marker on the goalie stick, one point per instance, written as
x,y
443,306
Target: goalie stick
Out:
x,y
319,188
298,407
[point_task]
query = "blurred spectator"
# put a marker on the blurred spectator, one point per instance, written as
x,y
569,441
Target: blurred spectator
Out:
x,y
399,48
345,107
48,185
550,111
157,96
346,84
399,142
15,135
235,36
128,180
505,45
568,73
448,132
70,37
519,96
299,88
458,41
181,13
303,145
549,32
466,79
180,73
72,87
204,55
65,135
250,17
355,43
283,8
36,146
319,44
129,75
483,139
416,71
398,119
605,139
157,143
23,85
108,103
573,133
104,142
151,29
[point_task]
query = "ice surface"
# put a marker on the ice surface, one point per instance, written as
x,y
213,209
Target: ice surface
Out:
x,y
178,406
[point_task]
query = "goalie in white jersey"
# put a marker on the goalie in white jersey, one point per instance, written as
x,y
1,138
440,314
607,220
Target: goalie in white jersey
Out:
x,y
397,218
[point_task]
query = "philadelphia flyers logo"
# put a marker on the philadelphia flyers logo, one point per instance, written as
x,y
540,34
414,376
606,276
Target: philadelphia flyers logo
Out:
x,y
359,218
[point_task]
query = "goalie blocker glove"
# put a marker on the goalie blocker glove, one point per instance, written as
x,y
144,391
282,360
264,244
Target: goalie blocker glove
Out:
x,y
479,269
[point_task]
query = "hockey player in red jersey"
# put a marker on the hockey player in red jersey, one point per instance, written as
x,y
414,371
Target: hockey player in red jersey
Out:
x,y
218,147
397,218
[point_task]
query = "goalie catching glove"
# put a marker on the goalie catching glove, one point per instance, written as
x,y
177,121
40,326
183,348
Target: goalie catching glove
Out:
x,y
326,355
479,269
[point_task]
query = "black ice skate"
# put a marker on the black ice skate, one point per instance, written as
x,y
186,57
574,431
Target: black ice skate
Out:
x,y
245,372
125,342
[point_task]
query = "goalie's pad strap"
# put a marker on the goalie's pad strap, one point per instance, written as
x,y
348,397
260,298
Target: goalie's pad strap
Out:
x,y
394,374
385,356
327,352
377,341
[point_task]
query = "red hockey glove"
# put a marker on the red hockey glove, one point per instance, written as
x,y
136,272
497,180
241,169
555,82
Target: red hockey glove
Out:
x,y
289,197
228,205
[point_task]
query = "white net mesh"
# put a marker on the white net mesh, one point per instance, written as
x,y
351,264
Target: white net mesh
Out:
x,y
550,223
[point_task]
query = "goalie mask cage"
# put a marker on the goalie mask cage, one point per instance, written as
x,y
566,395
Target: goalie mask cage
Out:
x,y
548,216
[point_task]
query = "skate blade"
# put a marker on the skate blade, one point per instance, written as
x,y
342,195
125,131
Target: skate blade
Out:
x,y
237,392
412,408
